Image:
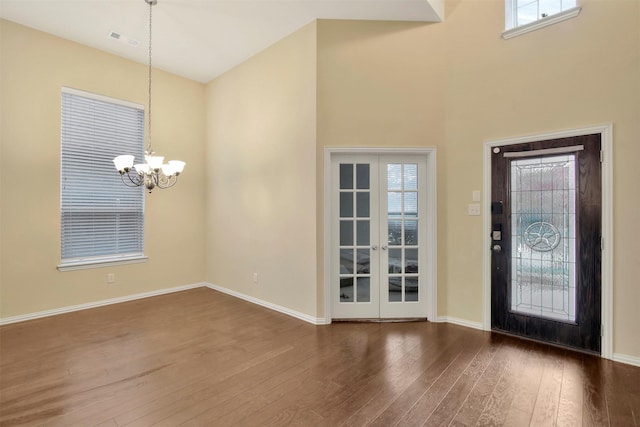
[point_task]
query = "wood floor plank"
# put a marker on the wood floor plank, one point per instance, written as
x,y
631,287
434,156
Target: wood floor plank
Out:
x,y
472,408
457,395
499,403
545,411
416,401
200,357
594,406
368,403
622,394
570,404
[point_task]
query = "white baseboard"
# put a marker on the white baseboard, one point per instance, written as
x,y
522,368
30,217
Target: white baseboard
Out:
x,y
617,357
275,307
69,309
460,322
629,360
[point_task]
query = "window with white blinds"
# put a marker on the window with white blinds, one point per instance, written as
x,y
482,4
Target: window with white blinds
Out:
x,y
102,220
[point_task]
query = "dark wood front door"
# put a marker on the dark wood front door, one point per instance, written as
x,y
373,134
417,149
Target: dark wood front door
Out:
x,y
546,241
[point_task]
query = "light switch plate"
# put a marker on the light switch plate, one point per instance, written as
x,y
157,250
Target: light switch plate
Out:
x,y
475,196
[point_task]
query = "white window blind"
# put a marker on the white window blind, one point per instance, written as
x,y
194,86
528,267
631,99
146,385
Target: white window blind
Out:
x,y
102,220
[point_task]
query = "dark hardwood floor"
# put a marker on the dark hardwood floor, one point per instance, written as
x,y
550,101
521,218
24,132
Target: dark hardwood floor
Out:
x,y
202,358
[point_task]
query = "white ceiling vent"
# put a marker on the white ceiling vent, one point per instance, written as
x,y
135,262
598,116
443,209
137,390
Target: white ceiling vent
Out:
x,y
124,39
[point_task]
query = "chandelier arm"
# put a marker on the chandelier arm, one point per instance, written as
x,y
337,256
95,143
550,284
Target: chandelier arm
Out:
x,y
168,182
136,183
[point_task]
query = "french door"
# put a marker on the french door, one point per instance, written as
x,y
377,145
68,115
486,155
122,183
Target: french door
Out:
x,y
546,241
379,233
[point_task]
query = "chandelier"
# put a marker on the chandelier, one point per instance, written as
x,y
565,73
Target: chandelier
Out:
x,y
153,172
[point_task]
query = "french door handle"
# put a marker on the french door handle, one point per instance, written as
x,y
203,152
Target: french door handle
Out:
x,y
374,247
384,247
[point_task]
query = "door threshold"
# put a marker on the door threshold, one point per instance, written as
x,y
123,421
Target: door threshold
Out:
x,y
375,320
549,343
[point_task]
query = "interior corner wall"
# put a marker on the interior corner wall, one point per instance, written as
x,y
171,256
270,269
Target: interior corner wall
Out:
x,y
261,188
34,67
457,85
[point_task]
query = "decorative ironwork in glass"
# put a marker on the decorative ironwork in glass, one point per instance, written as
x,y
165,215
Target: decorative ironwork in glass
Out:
x,y
543,237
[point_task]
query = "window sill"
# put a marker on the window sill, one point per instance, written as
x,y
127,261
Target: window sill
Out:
x,y
541,23
104,262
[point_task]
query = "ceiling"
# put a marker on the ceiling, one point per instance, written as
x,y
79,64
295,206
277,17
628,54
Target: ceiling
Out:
x,y
199,39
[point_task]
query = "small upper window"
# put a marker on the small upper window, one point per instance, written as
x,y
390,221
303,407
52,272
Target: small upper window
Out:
x,y
522,16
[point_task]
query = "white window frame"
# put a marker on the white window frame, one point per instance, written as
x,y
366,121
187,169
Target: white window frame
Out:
x,y
512,30
72,141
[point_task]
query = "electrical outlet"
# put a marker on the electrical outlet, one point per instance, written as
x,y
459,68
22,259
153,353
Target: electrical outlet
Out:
x,y
255,278
111,278
473,209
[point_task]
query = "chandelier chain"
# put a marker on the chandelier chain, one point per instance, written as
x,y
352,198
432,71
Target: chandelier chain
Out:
x,y
150,150
153,173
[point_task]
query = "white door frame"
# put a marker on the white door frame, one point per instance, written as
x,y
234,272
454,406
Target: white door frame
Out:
x,y
431,245
606,134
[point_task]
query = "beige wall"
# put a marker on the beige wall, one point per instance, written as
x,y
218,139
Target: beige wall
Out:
x,y
380,84
259,132
582,72
457,85
261,175
34,67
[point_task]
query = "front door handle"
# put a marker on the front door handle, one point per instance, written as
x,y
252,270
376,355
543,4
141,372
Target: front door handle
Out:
x,y
496,248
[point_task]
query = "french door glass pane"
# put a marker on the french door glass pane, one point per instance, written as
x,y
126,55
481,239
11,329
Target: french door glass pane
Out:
x,y
346,261
411,289
394,177
346,233
346,289
363,233
395,288
364,261
411,260
346,204
411,177
395,261
362,176
362,204
411,233
364,289
346,176
543,238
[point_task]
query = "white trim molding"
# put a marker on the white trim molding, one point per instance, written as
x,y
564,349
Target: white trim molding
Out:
x,y
461,322
72,308
541,23
606,134
624,358
99,263
275,307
